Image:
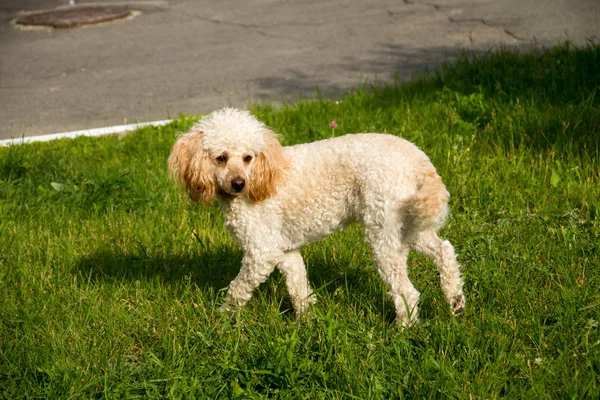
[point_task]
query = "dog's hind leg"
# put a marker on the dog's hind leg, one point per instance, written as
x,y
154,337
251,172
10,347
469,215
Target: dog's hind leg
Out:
x,y
390,256
294,271
442,253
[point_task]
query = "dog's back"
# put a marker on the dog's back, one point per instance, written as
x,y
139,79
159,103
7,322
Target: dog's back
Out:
x,y
358,177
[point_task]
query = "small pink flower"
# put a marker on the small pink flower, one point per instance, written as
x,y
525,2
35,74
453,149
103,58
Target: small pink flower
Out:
x,y
332,124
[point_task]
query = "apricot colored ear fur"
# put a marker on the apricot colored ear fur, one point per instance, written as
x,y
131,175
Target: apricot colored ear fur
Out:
x,y
190,166
268,170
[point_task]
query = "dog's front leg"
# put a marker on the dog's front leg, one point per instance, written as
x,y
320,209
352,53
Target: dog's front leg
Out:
x,y
296,280
255,270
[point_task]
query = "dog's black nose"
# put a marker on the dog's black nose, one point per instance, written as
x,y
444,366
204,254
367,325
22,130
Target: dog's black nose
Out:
x,y
238,184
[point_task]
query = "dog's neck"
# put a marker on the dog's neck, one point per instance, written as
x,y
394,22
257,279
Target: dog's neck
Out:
x,y
238,210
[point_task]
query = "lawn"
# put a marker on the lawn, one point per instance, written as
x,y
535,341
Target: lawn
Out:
x,y
110,279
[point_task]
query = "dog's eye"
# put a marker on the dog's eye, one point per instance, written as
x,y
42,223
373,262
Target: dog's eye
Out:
x,y
247,159
221,159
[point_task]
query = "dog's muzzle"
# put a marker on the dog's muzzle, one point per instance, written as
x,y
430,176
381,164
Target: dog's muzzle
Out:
x,y
238,184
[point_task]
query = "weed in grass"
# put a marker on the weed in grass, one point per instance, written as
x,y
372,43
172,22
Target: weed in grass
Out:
x,y
110,280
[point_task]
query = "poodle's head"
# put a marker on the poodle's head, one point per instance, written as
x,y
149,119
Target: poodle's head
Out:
x,y
228,153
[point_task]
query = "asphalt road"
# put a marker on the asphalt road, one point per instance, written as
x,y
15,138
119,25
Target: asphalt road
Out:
x,y
194,56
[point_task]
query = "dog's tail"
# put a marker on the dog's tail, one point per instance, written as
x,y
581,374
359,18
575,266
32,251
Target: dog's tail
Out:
x,y
429,206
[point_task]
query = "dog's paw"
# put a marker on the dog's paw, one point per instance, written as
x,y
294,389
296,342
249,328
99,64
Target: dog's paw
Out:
x,y
406,323
458,305
228,309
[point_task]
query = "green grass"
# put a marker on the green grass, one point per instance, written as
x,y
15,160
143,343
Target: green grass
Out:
x,y
110,279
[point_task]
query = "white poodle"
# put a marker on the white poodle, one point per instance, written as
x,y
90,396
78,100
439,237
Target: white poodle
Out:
x,y
277,199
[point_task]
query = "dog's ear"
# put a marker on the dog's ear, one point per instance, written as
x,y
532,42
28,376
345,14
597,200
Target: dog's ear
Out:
x,y
268,170
191,167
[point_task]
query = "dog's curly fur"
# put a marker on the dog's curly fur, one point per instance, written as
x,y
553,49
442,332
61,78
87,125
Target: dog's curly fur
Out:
x,y
277,199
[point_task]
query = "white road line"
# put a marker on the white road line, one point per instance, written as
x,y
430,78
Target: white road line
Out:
x,y
86,132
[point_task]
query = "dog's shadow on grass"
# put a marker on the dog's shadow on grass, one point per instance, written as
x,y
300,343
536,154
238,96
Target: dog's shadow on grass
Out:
x,y
213,269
